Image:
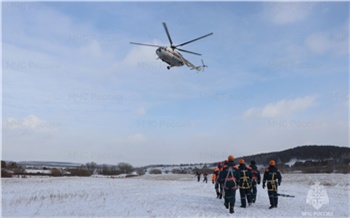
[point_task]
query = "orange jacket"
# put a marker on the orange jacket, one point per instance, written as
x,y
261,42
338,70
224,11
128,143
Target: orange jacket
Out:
x,y
215,174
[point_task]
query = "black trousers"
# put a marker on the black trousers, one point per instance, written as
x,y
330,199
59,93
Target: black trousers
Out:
x,y
230,197
273,198
272,192
245,195
218,188
254,191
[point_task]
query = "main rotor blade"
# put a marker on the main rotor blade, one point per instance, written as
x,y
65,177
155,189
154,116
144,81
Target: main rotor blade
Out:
x,y
194,40
191,52
167,33
136,43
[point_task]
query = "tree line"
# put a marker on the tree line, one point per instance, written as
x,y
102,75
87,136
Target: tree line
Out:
x,y
8,169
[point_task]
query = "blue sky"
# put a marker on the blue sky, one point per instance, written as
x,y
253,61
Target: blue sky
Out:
x,y
74,89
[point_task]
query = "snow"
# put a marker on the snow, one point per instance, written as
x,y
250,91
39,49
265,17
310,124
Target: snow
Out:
x,y
37,171
184,167
166,195
291,162
294,160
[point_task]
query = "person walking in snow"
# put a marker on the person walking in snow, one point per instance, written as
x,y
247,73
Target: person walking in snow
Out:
x,y
221,184
273,178
245,182
215,178
255,179
198,174
205,175
229,177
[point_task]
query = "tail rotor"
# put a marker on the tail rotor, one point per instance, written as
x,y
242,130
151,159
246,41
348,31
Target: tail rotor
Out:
x,y
203,65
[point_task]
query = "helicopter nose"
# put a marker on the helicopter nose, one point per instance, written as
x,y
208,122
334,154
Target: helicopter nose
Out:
x,y
159,51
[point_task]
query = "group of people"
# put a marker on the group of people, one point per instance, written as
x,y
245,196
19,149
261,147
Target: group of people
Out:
x,y
205,175
229,177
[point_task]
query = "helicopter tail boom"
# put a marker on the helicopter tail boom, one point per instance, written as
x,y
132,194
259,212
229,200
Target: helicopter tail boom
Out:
x,y
199,68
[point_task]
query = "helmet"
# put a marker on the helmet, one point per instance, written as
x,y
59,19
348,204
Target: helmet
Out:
x,y
253,162
272,163
219,164
225,161
241,161
230,158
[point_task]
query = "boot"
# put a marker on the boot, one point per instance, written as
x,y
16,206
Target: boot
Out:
x,y
226,205
231,210
272,206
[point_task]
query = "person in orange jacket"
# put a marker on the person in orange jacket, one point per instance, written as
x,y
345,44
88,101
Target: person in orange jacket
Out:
x,y
245,183
273,178
221,184
215,178
229,177
255,179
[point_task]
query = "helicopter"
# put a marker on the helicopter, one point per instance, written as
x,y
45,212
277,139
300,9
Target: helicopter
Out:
x,y
170,54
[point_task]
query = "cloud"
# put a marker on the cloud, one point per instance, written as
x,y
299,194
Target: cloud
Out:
x,y
137,138
93,48
287,12
287,133
140,111
28,134
143,56
280,108
336,42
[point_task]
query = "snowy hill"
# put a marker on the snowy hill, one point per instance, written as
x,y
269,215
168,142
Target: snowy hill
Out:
x,y
307,152
309,158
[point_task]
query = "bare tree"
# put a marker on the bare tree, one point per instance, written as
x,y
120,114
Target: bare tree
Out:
x,y
3,164
141,171
125,167
91,166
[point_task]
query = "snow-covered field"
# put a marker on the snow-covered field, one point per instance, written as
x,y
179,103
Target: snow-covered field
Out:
x,y
167,195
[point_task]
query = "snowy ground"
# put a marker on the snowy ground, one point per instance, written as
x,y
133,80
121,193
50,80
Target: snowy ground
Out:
x,y
164,196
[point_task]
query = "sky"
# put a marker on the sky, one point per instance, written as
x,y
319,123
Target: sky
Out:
x,y
74,89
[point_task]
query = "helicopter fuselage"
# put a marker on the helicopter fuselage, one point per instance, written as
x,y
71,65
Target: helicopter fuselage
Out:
x,y
170,56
